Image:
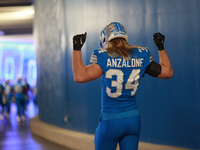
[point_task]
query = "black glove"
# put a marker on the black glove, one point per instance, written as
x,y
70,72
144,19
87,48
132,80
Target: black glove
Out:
x,y
78,41
159,40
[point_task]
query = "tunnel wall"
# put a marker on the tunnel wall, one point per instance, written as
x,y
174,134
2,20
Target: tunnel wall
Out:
x,y
169,108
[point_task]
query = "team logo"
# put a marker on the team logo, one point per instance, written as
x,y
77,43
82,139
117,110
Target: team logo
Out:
x,y
112,29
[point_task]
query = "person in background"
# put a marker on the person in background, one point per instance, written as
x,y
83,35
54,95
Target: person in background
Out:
x,y
9,94
20,100
26,90
3,101
121,66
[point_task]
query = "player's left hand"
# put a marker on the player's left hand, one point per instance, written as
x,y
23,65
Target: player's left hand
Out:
x,y
78,41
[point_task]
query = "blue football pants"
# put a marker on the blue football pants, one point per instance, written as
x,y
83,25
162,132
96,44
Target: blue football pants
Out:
x,y
21,106
124,131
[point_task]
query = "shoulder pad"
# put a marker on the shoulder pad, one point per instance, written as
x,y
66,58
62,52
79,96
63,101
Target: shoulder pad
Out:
x,y
102,50
143,50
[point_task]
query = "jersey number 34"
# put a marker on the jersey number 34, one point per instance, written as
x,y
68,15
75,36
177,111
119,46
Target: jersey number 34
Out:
x,y
132,82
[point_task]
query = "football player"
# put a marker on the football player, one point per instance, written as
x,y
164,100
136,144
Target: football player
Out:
x,y
26,91
20,100
2,101
8,91
121,66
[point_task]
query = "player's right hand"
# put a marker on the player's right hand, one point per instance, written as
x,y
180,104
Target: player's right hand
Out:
x,y
78,41
159,40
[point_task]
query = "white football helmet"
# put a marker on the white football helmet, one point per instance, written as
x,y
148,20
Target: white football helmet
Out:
x,y
111,31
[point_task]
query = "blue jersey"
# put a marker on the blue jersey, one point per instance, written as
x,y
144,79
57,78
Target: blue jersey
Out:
x,y
8,89
19,90
120,78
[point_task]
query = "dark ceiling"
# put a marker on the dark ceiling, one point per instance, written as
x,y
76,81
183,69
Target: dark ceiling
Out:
x,y
12,25
8,3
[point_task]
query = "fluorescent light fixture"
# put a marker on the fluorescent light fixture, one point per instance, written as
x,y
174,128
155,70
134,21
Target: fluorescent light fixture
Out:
x,y
23,13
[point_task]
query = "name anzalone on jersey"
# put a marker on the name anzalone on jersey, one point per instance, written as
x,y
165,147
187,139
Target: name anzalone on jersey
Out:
x,y
120,62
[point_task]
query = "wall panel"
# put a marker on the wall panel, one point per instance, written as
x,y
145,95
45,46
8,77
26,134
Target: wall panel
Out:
x,y
169,108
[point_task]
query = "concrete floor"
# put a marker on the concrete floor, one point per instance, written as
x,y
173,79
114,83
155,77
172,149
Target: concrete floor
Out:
x,y
16,135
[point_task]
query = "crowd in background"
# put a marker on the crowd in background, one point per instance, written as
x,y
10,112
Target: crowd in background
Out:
x,y
19,93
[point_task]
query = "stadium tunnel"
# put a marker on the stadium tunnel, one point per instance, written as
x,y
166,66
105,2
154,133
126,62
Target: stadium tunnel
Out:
x,y
69,112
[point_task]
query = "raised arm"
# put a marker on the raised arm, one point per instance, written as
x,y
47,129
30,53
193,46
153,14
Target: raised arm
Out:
x,y
81,72
163,70
164,61
166,71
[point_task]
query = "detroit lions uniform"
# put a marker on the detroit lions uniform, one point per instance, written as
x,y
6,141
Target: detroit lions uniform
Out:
x,y
8,92
120,118
119,113
20,99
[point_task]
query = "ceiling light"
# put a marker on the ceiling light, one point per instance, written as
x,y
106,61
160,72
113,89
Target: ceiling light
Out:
x,y
24,13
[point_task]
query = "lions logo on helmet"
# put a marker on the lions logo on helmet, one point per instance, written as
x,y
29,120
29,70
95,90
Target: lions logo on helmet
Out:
x,y
111,31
